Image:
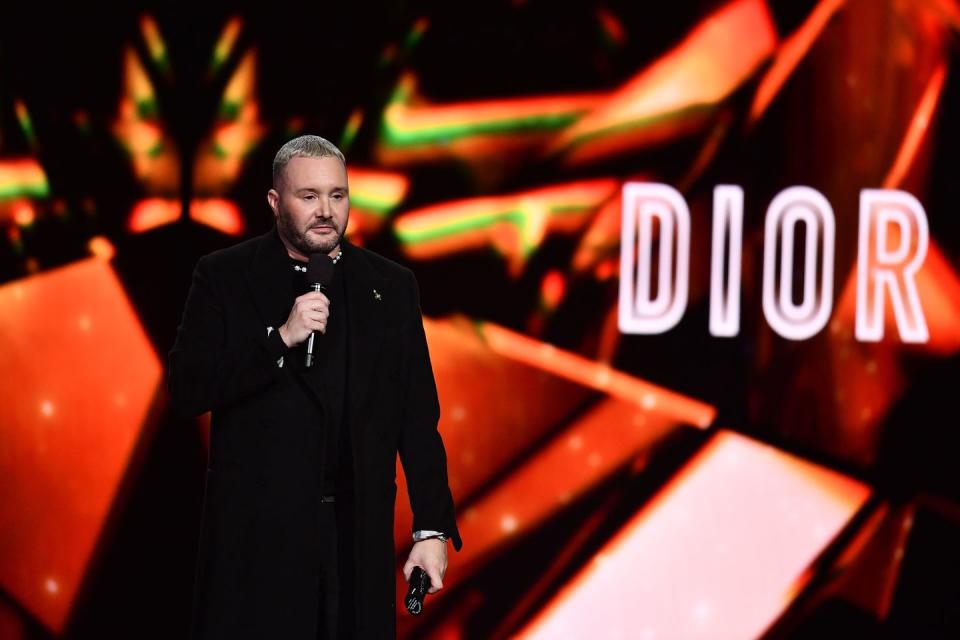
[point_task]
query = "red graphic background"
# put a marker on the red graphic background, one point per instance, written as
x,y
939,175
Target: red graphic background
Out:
x,y
668,486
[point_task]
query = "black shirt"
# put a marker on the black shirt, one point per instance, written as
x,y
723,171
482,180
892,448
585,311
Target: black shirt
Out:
x,y
328,373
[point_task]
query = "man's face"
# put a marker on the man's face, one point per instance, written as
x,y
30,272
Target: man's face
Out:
x,y
311,204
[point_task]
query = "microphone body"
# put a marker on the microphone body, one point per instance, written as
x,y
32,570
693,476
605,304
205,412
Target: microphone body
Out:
x,y
419,585
319,275
308,361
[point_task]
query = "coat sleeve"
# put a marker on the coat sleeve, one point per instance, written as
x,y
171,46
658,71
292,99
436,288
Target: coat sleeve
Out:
x,y
205,373
421,447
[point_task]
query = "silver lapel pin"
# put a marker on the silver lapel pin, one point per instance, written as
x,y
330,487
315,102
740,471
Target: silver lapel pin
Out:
x,y
376,295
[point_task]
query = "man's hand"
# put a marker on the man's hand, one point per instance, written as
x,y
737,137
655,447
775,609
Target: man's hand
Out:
x,y
431,556
308,314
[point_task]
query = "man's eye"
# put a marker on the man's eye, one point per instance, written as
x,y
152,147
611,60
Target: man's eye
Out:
x,y
309,196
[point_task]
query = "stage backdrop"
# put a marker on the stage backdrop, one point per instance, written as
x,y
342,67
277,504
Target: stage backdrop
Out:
x,y
689,275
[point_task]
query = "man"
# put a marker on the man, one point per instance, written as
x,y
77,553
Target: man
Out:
x,y
297,536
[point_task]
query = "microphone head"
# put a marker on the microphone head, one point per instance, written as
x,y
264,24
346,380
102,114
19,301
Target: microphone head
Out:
x,y
320,269
419,585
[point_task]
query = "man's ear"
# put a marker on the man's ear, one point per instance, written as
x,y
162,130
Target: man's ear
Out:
x,y
273,199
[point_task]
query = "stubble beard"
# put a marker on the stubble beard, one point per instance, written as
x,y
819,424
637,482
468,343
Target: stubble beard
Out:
x,y
303,242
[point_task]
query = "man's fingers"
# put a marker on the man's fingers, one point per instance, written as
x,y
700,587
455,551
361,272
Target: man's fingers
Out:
x,y
407,570
313,297
435,570
436,580
431,555
312,304
315,316
313,307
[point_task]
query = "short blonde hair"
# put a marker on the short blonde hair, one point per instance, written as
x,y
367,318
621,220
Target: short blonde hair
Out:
x,y
307,146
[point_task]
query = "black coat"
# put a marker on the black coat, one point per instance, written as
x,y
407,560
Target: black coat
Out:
x,y
258,566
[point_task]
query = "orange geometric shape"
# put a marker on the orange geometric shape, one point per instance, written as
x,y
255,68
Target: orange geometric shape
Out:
x,y
598,376
536,386
218,213
374,194
790,54
21,178
23,212
606,438
151,213
101,247
675,95
80,378
529,404
238,130
154,155
918,128
415,130
513,224
717,553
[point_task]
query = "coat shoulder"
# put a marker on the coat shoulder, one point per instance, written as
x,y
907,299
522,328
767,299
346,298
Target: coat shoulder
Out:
x,y
386,268
234,254
233,259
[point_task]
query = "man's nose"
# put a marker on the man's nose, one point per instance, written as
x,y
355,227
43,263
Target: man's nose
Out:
x,y
323,209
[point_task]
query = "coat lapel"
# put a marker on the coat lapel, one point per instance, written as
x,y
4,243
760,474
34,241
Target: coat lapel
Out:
x,y
270,266
365,318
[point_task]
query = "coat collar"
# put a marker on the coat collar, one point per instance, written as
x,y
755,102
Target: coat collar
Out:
x,y
269,275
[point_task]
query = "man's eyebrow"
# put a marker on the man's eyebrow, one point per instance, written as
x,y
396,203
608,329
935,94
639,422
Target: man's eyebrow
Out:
x,y
303,190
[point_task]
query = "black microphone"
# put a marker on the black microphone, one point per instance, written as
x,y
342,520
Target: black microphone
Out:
x,y
319,276
419,585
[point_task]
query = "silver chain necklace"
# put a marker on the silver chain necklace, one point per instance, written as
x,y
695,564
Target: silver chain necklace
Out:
x,y
297,267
